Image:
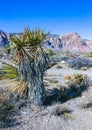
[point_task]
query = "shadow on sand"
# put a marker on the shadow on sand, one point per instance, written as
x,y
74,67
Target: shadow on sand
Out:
x,y
8,120
55,95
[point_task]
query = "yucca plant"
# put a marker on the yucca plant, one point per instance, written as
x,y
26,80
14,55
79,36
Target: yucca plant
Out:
x,y
9,72
35,36
11,75
32,61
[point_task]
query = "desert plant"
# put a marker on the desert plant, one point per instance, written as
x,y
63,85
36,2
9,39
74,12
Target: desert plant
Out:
x,y
79,78
78,62
51,53
61,111
67,77
32,61
79,82
76,85
90,54
11,75
7,108
9,72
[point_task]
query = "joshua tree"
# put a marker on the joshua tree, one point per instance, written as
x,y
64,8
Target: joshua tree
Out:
x,y
32,61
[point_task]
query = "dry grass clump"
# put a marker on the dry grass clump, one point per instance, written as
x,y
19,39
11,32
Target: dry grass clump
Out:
x,y
80,79
75,81
61,112
90,54
10,105
76,85
67,77
11,75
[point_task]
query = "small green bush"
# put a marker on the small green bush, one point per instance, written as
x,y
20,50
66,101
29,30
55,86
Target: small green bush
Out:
x,y
90,54
51,53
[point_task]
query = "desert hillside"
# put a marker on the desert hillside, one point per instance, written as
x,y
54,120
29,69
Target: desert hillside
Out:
x,y
67,82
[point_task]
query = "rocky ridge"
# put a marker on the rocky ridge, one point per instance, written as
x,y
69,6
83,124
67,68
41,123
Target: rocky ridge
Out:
x,y
3,39
69,43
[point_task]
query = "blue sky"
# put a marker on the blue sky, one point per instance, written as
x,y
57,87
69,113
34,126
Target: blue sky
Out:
x,y
56,16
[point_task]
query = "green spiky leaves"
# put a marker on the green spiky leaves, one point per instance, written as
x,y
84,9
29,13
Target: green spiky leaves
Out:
x,y
30,37
11,75
9,72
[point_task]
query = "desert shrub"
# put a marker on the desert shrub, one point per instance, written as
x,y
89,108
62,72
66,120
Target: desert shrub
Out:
x,y
90,54
58,110
9,73
67,77
51,53
76,85
79,82
59,58
78,62
79,78
9,106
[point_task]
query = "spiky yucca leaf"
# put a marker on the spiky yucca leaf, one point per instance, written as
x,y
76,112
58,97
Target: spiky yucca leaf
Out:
x,y
21,54
34,37
9,72
37,36
22,41
19,87
30,39
19,45
11,75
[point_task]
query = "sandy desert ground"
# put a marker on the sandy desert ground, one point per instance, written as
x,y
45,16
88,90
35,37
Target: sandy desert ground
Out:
x,y
52,116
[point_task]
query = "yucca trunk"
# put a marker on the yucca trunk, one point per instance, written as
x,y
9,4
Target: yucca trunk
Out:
x,y
32,71
36,91
34,77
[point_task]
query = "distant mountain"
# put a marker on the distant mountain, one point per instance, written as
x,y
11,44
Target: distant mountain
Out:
x,y
3,39
69,42
53,35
